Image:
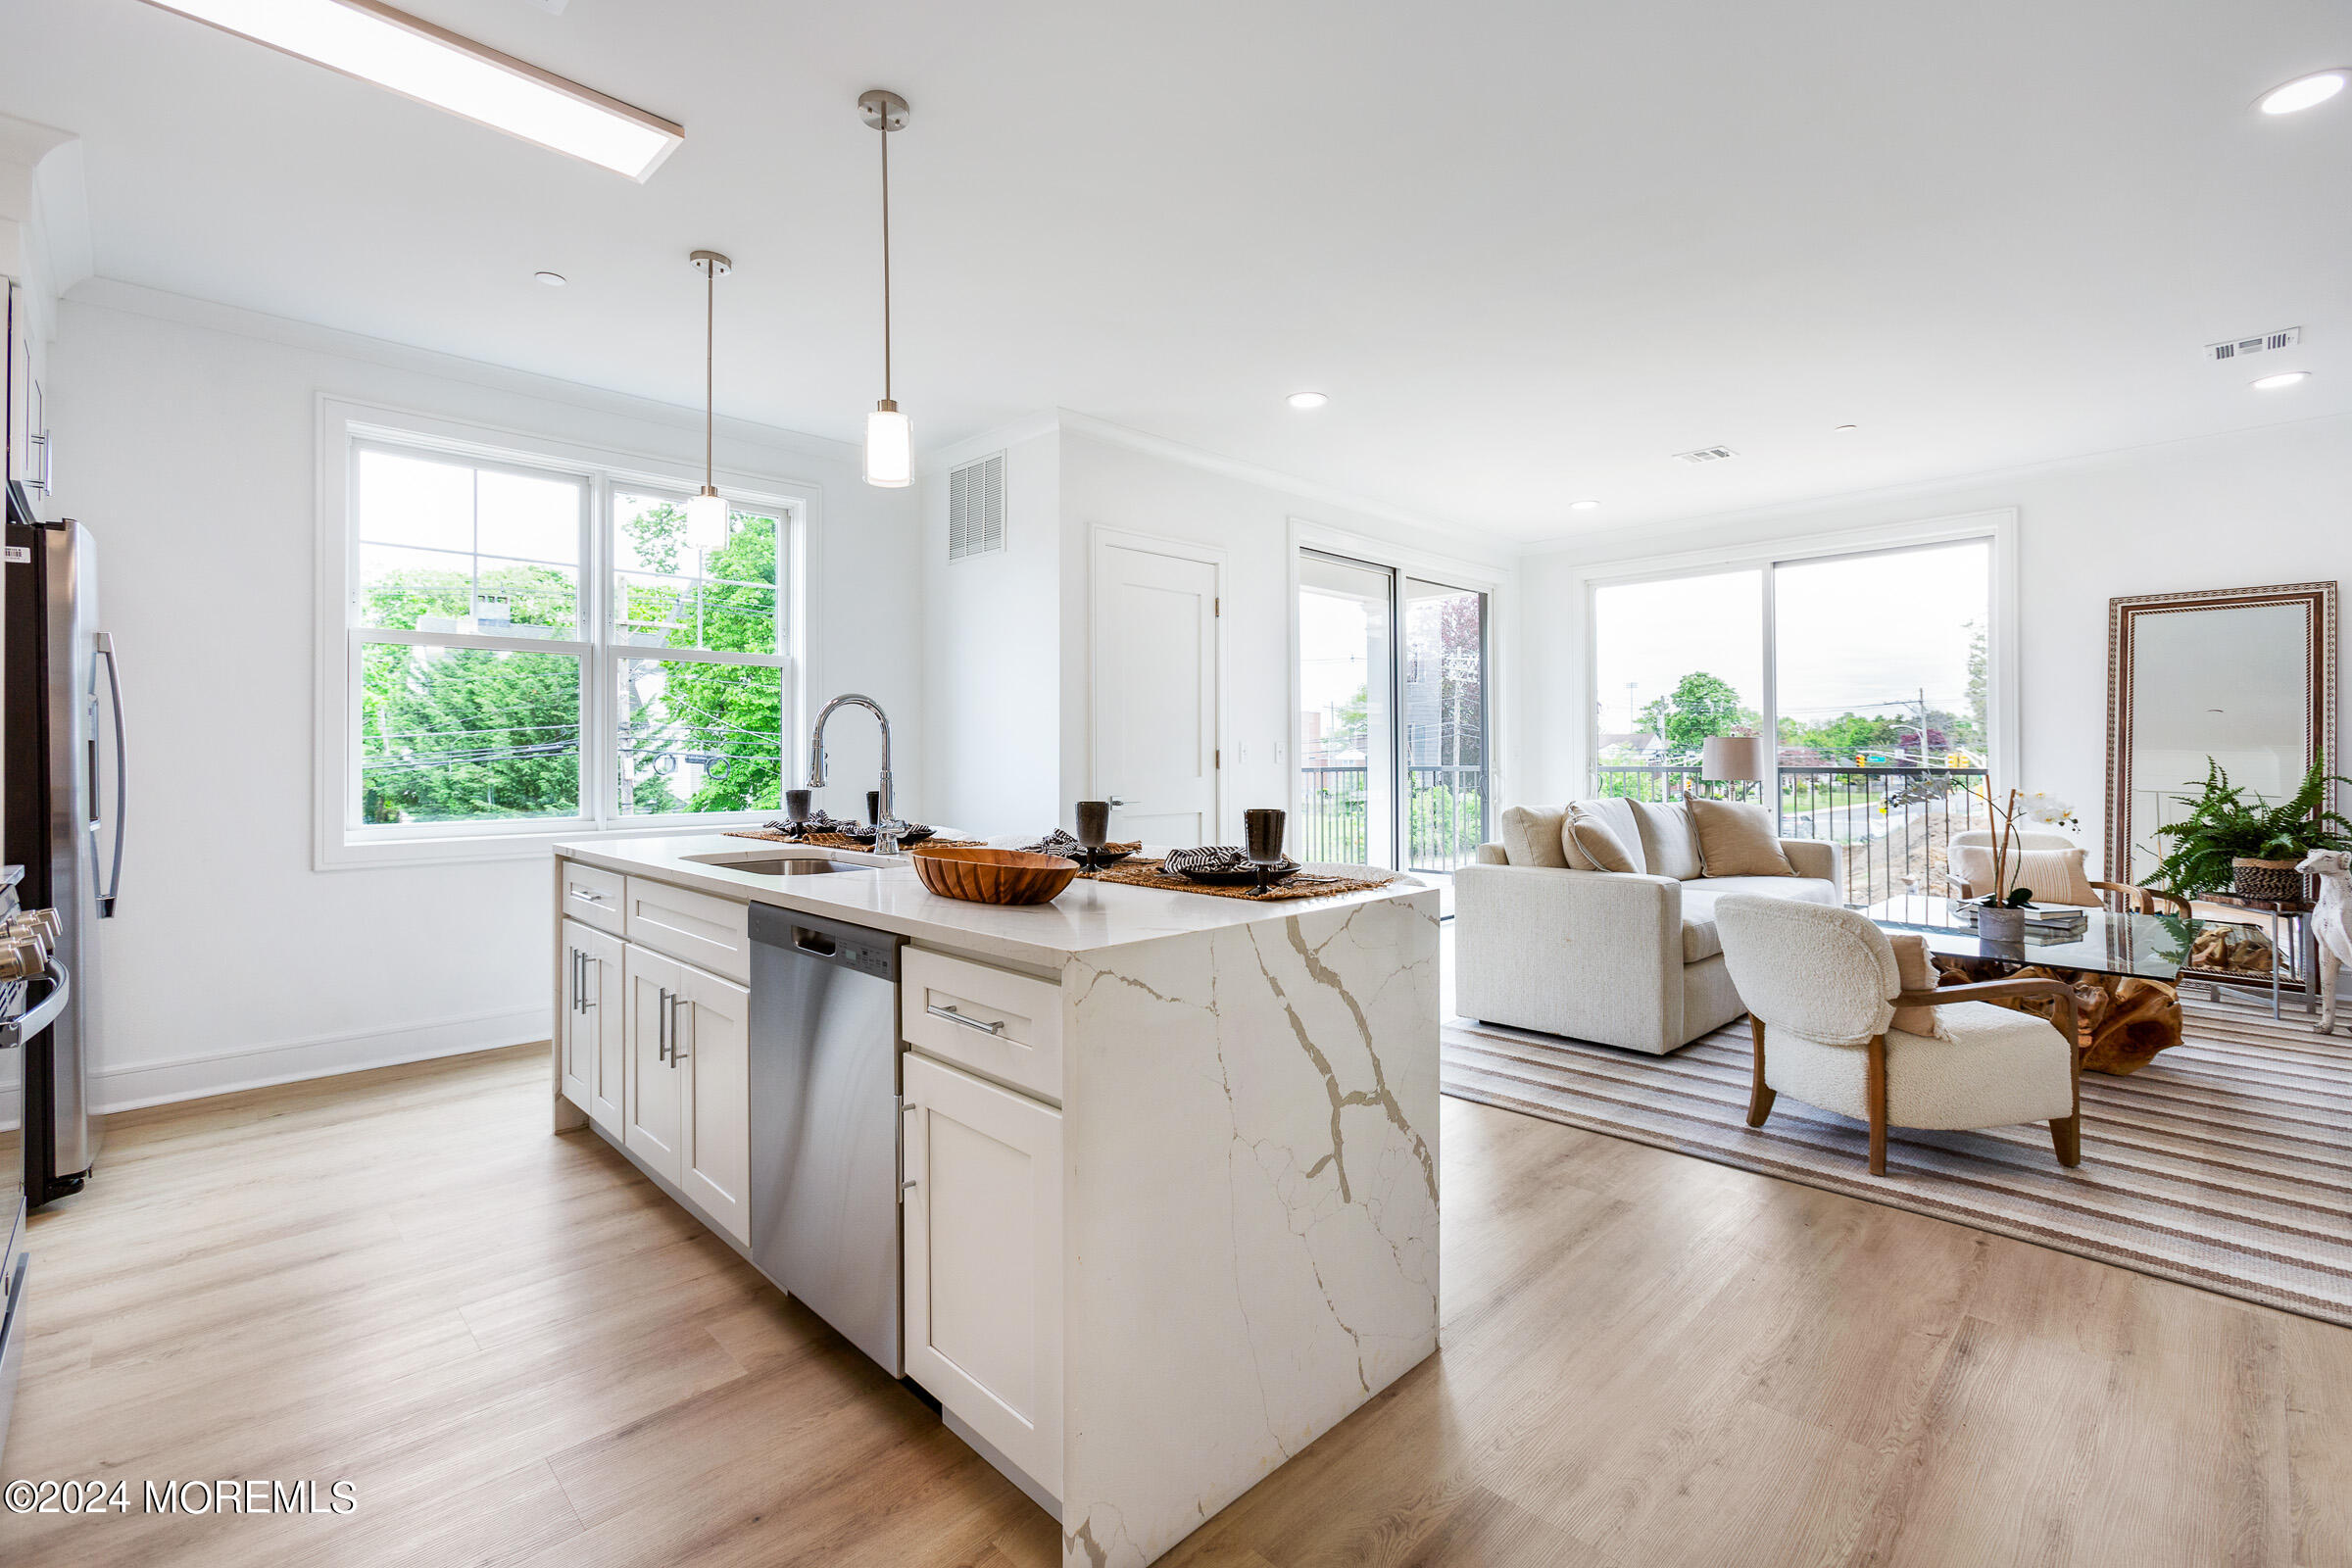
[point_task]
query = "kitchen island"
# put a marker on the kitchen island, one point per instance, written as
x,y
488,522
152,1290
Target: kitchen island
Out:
x,y
1171,1165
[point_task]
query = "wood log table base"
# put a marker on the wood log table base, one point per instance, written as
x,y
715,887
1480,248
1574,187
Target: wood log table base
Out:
x,y
2124,1020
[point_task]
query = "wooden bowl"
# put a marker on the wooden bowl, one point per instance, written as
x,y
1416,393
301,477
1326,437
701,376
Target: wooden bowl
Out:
x,y
992,876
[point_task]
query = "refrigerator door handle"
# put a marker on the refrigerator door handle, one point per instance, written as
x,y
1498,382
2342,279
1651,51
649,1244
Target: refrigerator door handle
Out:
x,y
114,691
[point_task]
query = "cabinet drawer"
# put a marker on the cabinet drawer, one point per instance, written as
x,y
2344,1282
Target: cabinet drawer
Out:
x,y
1000,1024
710,933
592,895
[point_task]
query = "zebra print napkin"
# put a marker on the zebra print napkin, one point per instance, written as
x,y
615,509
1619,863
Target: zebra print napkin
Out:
x,y
1208,857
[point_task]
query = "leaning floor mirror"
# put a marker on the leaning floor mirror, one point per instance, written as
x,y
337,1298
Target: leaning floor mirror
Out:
x,y
2242,676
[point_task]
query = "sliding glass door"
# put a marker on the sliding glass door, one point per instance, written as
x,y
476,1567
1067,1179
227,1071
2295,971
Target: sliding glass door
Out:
x,y
1393,680
1867,671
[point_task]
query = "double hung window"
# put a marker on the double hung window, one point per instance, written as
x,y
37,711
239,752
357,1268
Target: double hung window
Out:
x,y
532,646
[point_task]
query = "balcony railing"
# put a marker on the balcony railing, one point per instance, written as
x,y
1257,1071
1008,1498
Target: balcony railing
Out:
x,y
1895,823
1445,816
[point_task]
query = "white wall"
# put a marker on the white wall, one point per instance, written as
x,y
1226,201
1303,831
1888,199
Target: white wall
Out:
x,y
992,650
191,431
2248,507
1111,482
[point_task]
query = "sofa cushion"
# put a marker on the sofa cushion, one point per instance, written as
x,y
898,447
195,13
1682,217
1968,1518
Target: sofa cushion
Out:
x,y
1530,835
1668,846
1736,839
1598,846
1698,897
1700,941
1617,816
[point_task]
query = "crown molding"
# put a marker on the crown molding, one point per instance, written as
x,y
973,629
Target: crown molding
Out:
x,y
133,299
959,452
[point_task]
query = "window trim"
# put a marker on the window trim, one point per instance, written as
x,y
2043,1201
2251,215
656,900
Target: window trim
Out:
x,y
338,842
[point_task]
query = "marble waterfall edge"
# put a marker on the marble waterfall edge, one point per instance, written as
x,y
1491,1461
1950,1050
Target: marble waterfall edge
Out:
x,y
1251,1200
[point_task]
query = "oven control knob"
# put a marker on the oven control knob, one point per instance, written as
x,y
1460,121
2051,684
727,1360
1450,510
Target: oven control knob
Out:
x,y
41,923
22,957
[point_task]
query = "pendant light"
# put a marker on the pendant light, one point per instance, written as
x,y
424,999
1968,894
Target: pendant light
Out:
x,y
889,438
707,513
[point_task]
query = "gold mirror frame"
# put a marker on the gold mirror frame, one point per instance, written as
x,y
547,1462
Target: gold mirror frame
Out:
x,y
2123,617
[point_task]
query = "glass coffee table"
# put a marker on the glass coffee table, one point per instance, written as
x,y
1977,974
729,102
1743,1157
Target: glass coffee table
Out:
x,y
2124,969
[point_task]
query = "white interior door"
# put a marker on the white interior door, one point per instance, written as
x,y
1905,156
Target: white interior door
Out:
x,y
1157,750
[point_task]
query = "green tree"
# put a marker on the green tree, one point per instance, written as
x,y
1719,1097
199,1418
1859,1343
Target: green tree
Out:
x,y
1700,705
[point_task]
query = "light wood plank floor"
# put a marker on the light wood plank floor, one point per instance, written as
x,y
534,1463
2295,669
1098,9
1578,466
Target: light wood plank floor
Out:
x,y
520,1354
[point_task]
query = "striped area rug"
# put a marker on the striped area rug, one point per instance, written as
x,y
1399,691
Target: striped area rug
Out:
x,y
2224,1163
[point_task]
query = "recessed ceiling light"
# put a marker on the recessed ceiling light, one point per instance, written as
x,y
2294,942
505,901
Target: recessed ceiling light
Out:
x,y
2272,383
1308,399
1845,429
370,40
2304,91
1583,506
550,279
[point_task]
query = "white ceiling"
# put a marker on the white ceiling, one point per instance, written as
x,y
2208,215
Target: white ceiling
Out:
x,y
1529,250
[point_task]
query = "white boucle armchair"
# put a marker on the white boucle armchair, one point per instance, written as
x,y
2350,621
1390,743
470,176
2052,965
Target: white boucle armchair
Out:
x,y
1823,987
1625,958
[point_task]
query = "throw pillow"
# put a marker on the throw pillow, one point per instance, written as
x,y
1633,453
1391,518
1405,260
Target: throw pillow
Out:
x,y
1735,839
1597,842
2056,876
1668,846
1917,967
1530,835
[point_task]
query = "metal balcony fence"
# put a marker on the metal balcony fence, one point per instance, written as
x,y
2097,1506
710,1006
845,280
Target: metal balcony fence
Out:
x,y
1895,823
1445,816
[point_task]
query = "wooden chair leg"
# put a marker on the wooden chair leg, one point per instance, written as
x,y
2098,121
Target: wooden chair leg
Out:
x,y
1761,1095
2066,1137
1875,1097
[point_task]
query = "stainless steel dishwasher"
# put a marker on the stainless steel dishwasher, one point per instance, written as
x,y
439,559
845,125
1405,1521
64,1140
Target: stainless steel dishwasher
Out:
x,y
825,1052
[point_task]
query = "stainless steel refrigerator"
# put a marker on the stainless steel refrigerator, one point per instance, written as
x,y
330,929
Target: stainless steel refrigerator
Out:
x,y
60,815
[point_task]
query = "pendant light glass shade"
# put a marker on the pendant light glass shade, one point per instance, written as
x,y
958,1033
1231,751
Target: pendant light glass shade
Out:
x,y
889,447
706,520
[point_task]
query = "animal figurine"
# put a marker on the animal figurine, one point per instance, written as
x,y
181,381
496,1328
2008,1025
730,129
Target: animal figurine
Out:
x,y
2331,924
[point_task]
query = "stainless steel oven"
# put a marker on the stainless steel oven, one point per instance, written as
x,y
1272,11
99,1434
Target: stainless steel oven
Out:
x,y
34,989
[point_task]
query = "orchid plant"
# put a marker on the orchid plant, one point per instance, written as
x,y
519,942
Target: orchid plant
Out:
x,y
2035,807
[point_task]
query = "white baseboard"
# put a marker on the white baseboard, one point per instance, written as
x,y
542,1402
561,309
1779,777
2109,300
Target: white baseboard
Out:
x,y
157,1083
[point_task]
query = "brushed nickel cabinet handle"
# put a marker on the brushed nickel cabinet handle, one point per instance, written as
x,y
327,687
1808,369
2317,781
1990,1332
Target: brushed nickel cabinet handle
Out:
x,y
952,1016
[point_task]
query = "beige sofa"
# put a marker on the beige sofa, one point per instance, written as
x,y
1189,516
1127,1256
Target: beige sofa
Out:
x,y
1627,958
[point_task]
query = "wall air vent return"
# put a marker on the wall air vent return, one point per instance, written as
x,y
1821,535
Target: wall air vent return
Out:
x,y
1705,455
976,509
2239,348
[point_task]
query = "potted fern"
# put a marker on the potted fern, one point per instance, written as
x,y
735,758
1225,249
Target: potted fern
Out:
x,y
2233,840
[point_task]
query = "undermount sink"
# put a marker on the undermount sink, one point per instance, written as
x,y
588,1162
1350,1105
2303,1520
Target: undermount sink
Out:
x,y
780,865
793,866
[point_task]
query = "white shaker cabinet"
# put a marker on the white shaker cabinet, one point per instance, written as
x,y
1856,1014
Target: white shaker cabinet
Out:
x,y
652,1129
711,1040
594,1044
984,1260
689,1102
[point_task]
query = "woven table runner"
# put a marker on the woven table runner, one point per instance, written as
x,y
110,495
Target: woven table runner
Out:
x,y
834,841
1306,885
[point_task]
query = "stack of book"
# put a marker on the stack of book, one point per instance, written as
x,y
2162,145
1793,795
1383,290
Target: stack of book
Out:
x,y
2044,921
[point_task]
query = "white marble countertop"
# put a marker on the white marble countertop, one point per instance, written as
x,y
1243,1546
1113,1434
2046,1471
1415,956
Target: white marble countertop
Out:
x,y
1087,917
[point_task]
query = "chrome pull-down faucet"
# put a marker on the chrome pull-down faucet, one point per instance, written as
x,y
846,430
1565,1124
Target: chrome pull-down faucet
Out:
x,y
885,820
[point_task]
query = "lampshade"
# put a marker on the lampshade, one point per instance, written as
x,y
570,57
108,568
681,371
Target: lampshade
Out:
x,y
889,447
706,520
1733,756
